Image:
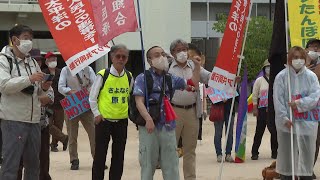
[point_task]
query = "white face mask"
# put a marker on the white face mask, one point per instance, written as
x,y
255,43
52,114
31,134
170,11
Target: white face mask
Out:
x,y
298,63
52,64
25,46
182,57
267,70
313,55
160,63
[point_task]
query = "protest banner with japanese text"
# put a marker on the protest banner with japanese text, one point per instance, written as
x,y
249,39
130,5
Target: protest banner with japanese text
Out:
x,y
224,72
114,17
216,95
71,24
304,20
76,104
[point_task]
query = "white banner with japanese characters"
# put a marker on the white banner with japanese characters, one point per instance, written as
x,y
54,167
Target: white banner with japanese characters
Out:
x,y
71,24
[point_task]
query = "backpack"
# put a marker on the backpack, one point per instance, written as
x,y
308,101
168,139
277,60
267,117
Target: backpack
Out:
x,y
10,63
134,114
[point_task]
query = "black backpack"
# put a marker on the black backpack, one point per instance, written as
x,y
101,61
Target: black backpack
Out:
x,y
133,111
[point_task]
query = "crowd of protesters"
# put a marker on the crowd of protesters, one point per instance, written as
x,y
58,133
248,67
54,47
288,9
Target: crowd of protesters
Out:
x,y
30,111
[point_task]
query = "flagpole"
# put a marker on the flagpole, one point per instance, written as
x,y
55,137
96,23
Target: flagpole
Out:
x,y
289,88
234,90
143,57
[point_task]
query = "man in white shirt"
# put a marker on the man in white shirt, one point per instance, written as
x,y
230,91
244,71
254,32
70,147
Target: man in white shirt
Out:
x,y
68,85
109,103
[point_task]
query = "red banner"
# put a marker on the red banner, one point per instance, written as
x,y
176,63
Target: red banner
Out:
x,y
114,17
224,72
71,24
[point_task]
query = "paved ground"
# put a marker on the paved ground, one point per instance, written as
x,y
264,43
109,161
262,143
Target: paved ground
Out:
x,y
207,167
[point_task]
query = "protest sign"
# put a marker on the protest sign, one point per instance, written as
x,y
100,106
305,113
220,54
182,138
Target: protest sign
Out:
x,y
304,19
216,95
71,24
225,69
76,104
113,17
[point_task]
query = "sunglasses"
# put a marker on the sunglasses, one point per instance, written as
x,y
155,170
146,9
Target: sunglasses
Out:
x,y
120,56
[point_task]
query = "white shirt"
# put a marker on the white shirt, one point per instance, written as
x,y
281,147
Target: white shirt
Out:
x,y
67,82
95,90
185,98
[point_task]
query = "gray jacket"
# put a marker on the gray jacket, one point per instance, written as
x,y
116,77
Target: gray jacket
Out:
x,y
16,105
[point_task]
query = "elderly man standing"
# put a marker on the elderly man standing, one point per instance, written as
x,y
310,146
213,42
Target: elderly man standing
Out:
x,y
109,103
68,85
184,104
157,138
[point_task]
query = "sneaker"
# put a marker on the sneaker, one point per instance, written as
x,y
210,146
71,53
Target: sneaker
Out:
x,y
75,164
274,155
158,166
229,158
180,152
219,158
65,143
54,148
314,176
255,157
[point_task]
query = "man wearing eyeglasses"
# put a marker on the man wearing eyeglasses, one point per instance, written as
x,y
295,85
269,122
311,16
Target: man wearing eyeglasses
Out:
x,y
109,103
68,85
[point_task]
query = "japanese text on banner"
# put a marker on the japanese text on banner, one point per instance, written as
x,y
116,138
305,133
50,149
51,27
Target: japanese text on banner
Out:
x,y
114,17
304,19
224,72
72,27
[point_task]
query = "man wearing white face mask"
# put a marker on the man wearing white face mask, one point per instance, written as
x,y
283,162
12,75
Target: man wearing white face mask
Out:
x,y
157,140
305,91
260,110
57,119
184,104
313,49
21,86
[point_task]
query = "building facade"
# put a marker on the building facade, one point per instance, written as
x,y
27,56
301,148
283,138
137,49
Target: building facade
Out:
x,y
162,22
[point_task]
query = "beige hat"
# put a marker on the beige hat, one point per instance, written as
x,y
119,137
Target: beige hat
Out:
x,y
266,63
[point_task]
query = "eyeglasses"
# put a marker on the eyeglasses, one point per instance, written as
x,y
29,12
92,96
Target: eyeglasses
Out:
x,y
121,56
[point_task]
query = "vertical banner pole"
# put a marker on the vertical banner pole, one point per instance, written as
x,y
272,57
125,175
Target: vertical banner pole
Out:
x,y
289,86
234,90
143,57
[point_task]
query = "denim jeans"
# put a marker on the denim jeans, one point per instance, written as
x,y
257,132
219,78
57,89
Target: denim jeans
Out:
x,y
218,126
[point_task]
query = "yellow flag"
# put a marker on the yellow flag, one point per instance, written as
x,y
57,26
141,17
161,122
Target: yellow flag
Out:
x,y
304,21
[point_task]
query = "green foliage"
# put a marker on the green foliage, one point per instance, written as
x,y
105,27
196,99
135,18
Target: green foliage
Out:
x,y
257,44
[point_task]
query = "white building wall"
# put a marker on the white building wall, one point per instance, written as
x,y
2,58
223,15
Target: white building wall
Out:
x,y
162,22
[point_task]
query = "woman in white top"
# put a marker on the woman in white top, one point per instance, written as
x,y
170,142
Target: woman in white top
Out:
x,y
260,110
305,91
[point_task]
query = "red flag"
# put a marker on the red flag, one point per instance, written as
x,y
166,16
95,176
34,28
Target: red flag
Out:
x,y
72,26
169,111
113,17
224,72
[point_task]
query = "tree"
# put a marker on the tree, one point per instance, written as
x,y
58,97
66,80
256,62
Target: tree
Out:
x,y
257,44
